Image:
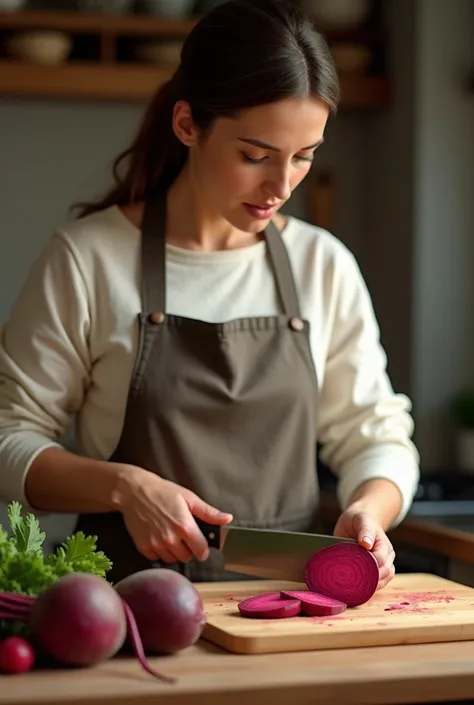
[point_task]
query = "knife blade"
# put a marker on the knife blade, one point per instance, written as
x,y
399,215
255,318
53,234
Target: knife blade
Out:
x,y
266,553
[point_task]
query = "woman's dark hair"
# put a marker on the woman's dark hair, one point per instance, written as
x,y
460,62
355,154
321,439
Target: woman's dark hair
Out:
x,y
241,54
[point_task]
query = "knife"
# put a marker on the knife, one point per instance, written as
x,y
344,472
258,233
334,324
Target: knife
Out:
x,y
266,553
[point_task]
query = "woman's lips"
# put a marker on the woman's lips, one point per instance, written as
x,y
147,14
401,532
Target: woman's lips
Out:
x,y
260,212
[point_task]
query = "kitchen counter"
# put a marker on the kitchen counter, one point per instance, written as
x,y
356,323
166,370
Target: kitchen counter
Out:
x,y
208,675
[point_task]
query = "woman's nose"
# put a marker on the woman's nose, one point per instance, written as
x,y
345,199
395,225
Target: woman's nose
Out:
x,y
279,187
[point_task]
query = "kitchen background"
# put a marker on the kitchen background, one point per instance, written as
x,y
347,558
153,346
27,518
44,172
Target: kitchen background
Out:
x,y
394,180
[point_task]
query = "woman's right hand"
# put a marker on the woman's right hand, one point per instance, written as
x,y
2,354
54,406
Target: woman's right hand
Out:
x,y
159,516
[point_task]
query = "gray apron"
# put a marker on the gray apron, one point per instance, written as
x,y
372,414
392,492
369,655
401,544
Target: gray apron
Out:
x,y
227,410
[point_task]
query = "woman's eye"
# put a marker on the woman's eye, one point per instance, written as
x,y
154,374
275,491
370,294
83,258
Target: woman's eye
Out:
x,y
250,160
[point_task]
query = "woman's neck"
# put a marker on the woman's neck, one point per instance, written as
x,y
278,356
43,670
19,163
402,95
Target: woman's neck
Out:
x,y
193,225
190,227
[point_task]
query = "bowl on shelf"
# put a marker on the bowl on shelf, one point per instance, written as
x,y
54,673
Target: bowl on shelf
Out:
x,y
203,6
163,53
338,14
39,46
166,8
11,5
109,7
350,57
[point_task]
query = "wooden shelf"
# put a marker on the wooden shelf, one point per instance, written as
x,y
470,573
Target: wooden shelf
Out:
x,y
82,23
131,82
126,82
106,77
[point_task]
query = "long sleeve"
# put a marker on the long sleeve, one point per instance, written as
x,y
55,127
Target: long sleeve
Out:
x,y
44,363
364,428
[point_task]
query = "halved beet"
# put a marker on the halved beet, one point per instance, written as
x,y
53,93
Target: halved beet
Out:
x,y
344,571
269,606
313,604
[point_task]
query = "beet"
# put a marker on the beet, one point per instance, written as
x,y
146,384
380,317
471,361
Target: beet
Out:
x,y
167,608
314,605
344,571
16,655
79,620
269,606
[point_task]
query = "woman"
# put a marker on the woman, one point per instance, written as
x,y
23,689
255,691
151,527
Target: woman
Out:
x,y
203,342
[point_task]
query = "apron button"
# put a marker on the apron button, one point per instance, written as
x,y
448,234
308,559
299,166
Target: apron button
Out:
x,y
157,317
297,324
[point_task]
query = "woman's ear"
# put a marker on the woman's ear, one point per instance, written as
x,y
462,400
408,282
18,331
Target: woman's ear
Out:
x,y
183,124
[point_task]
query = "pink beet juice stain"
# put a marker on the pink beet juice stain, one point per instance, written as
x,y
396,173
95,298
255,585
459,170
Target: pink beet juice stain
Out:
x,y
414,602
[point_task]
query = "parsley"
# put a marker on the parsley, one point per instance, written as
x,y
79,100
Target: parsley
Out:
x,y
25,570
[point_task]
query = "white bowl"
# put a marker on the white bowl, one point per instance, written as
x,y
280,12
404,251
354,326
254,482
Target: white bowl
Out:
x,y
167,8
164,53
11,5
350,57
338,14
39,47
109,7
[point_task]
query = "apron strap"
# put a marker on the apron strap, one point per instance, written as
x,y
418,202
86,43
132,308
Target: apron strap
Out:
x,y
281,264
154,253
154,260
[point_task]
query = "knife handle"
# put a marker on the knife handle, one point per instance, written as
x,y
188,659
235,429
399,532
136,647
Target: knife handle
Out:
x,y
211,533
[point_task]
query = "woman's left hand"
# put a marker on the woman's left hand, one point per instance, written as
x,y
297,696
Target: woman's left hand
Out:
x,y
360,525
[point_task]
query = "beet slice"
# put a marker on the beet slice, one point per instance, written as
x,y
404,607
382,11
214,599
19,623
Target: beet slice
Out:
x,y
269,606
344,571
313,604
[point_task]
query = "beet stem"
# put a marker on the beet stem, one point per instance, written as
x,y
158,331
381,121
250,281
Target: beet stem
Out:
x,y
13,615
15,599
138,646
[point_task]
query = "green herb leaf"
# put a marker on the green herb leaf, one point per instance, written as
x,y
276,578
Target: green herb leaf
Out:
x,y
26,530
26,571
79,554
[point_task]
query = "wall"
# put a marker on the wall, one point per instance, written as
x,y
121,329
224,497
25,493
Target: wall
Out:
x,y
443,296
387,248
55,154
418,246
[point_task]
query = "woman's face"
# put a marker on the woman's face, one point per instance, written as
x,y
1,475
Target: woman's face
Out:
x,y
247,167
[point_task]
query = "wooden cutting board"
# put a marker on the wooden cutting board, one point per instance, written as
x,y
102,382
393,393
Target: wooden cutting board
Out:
x,y
412,609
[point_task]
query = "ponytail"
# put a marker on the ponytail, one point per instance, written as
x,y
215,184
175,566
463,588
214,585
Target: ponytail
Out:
x,y
153,160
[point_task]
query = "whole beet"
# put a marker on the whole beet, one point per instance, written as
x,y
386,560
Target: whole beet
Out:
x,y
79,620
167,608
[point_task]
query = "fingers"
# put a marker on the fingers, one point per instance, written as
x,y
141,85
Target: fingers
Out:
x,y
181,542
171,533
386,571
385,576
384,553
385,568
205,511
170,550
191,533
365,529
360,525
165,556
